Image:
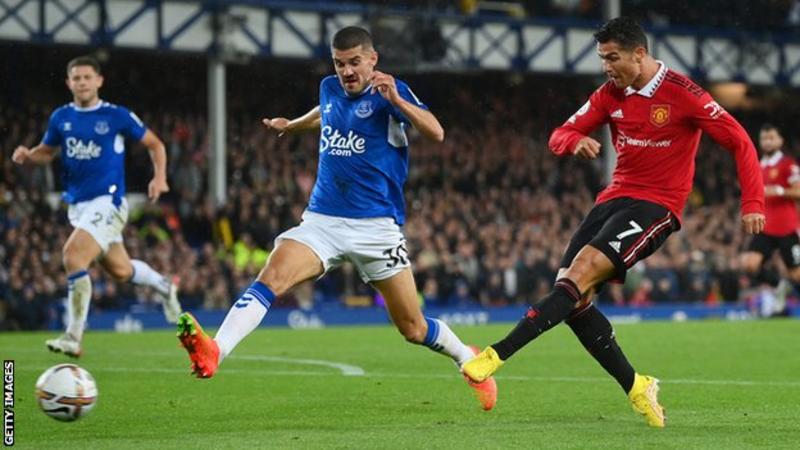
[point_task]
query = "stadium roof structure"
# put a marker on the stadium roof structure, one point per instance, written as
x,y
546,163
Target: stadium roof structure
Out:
x,y
417,40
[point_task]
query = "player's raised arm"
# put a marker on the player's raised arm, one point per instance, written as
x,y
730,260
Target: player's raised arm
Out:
x,y
727,132
421,119
158,155
572,138
307,122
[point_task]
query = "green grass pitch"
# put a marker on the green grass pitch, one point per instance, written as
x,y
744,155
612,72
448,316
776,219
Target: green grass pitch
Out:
x,y
724,385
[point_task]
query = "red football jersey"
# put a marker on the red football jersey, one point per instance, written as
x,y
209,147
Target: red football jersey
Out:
x,y
656,131
782,218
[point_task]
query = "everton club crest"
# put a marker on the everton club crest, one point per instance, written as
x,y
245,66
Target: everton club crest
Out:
x,y
101,127
364,109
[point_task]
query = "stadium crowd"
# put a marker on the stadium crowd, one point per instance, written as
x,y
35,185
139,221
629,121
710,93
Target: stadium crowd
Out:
x,y
489,211
772,15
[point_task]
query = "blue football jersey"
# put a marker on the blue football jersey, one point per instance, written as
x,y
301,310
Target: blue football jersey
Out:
x,y
363,153
92,142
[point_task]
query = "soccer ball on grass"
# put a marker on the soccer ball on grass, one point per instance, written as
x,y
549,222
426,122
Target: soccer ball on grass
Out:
x,y
66,392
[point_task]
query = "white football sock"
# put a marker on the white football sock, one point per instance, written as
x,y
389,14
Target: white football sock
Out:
x,y
145,275
78,298
244,316
440,338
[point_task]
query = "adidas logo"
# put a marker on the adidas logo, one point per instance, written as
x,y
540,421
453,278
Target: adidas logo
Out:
x,y
615,245
617,114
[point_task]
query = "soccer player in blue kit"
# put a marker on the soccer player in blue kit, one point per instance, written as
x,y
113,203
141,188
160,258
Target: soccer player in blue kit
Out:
x,y
355,212
90,134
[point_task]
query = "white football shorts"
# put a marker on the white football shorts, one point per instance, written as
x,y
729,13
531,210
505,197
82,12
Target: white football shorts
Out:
x,y
100,218
376,246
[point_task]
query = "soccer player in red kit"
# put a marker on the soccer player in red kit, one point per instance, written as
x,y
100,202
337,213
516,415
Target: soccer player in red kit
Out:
x,y
782,190
656,118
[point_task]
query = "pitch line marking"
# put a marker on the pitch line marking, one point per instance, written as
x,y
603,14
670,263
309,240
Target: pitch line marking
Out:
x,y
346,369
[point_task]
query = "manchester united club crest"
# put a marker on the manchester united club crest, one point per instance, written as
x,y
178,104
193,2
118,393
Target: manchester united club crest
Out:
x,y
659,115
773,173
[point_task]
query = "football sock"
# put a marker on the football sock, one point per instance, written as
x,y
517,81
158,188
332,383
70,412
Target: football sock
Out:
x,y
440,338
78,297
243,317
596,334
544,315
145,275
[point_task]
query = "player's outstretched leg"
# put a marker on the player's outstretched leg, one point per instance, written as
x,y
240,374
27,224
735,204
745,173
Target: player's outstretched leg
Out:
x,y
244,316
203,351
546,314
403,306
598,338
290,263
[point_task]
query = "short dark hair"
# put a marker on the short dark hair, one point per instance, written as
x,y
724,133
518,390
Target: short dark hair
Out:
x,y
351,37
625,31
86,60
770,127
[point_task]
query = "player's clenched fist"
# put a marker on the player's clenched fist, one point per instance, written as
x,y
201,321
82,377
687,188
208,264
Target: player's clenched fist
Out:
x,y
587,148
385,85
21,153
753,223
279,124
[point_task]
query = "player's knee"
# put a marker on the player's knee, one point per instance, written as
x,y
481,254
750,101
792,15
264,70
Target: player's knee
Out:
x,y
121,274
72,259
587,269
413,331
751,265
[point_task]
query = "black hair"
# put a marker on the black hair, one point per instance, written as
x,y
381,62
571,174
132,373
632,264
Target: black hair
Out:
x,y
625,31
770,127
90,61
351,37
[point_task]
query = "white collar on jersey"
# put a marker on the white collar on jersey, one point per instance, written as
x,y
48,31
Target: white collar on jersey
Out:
x,y
366,89
94,107
769,161
649,90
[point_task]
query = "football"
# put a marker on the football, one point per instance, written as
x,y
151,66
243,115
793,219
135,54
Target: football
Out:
x,y
66,392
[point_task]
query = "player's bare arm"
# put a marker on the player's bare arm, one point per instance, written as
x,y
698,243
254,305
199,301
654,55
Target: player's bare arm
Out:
x,y
307,122
424,121
41,154
158,155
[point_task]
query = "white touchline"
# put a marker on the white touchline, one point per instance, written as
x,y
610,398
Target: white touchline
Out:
x,y
346,369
